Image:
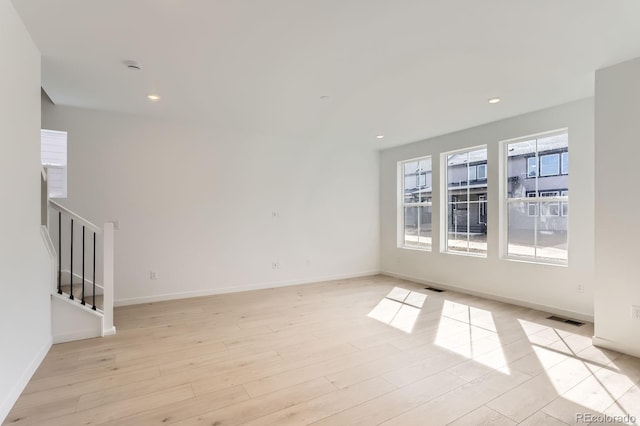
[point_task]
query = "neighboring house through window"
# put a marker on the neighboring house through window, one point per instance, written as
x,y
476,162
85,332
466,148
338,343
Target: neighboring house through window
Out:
x,y
465,231
416,204
536,196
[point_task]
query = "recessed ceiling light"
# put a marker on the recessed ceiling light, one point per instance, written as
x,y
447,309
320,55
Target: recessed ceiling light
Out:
x,y
380,136
494,100
153,97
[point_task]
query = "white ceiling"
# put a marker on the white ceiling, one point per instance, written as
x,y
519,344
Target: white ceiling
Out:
x,y
410,69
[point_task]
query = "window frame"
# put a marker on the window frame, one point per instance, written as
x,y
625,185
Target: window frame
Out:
x,y
562,198
403,204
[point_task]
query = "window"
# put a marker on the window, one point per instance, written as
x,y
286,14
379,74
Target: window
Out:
x,y
466,203
565,163
552,208
415,214
482,171
532,166
549,165
53,155
532,208
537,203
472,173
482,209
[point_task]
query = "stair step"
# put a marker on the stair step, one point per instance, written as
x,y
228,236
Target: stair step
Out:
x,y
77,293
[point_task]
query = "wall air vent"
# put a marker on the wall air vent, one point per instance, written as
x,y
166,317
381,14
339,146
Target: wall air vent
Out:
x,y
566,320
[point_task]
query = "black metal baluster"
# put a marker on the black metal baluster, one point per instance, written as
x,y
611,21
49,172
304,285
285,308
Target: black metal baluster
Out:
x,y
59,252
82,266
94,271
71,266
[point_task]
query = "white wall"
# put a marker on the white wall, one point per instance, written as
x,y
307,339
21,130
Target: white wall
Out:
x,y
25,324
195,204
554,288
618,206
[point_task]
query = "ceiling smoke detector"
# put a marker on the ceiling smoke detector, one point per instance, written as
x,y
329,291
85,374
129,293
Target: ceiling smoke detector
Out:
x,y
132,65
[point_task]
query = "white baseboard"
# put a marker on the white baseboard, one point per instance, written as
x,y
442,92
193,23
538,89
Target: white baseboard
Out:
x,y
551,309
13,396
76,302
615,346
236,289
109,332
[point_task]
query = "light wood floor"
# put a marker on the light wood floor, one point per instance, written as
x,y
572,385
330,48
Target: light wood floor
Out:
x,y
336,353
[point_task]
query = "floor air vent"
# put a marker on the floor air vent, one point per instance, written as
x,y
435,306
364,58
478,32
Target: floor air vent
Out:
x,y
565,320
437,290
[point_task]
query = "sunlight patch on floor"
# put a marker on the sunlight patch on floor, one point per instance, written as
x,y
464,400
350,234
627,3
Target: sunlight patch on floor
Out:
x,y
590,380
400,309
471,332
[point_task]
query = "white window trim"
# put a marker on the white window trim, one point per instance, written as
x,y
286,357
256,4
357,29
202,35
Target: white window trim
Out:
x,y
402,204
504,203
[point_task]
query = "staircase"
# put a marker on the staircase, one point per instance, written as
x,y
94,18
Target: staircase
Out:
x,y
81,255
88,298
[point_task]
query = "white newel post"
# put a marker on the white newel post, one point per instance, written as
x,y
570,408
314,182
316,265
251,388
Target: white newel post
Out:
x,y
107,250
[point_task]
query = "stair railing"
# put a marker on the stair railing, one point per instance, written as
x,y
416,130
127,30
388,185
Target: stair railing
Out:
x,y
100,241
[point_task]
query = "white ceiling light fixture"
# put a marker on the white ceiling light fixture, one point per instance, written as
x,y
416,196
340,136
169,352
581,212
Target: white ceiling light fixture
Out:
x,y
380,136
494,100
153,97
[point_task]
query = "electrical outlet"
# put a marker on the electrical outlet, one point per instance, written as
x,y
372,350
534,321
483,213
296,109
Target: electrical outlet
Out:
x,y
635,312
275,265
153,275
580,288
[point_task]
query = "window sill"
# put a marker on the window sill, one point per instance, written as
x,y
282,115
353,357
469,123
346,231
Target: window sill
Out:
x,y
428,250
534,261
455,253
